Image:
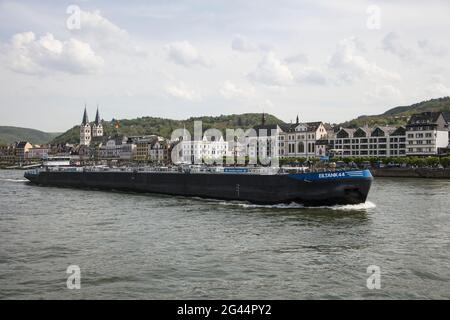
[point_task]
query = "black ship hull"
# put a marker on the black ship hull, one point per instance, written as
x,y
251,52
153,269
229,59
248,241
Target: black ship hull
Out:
x,y
312,189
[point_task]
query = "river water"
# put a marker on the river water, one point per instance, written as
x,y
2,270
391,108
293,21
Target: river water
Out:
x,y
143,246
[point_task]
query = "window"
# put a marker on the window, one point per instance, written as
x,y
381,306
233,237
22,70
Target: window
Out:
x,y
291,148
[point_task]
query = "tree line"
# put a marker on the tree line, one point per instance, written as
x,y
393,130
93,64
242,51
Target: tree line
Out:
x,y
413,161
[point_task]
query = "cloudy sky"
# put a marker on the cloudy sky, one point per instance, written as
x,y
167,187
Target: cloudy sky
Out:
x,y
177,59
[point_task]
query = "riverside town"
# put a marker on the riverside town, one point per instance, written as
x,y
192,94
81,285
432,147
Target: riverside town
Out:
x,y
422,143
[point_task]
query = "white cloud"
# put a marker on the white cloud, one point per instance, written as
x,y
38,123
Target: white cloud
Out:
x,y
297,58
438,89
27,54
267,104
94,22
312,76
240,43
352,66
230,35
229,90
431,48
181,91
272,71
391,43
384,94
104,35
185,54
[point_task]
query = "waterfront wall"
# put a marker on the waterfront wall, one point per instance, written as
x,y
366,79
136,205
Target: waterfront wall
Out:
x,y
411,173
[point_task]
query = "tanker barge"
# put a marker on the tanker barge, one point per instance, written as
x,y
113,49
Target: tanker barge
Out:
x,y
256,185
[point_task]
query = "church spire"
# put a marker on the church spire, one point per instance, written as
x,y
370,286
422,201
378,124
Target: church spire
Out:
x,y
263,119
297,121
97,117
85,120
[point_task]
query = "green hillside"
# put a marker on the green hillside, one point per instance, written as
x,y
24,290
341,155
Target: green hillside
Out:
x,y
13,134
400,115
164,127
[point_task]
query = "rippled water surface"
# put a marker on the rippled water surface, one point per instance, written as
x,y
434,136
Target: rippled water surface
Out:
x,y
160,247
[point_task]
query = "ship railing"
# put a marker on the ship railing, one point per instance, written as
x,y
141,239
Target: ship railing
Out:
x,y
33,172
187,169
190,169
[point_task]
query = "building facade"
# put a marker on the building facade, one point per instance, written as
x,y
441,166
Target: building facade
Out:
x,y
289,140
159,151
151,148
427,134
21,150
142,148
7,154
117,148
263,143
209,149
90,131
38,152
369,142
300,140
97,126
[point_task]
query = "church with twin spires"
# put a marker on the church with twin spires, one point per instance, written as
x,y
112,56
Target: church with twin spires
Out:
x,y
90,131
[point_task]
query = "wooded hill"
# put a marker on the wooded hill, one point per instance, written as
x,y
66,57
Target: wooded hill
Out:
x,y
12,134
399,115
164,127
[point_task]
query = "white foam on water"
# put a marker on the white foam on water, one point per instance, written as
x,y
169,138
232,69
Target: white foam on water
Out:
x,y
275,206
14,180
347,207
360,206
